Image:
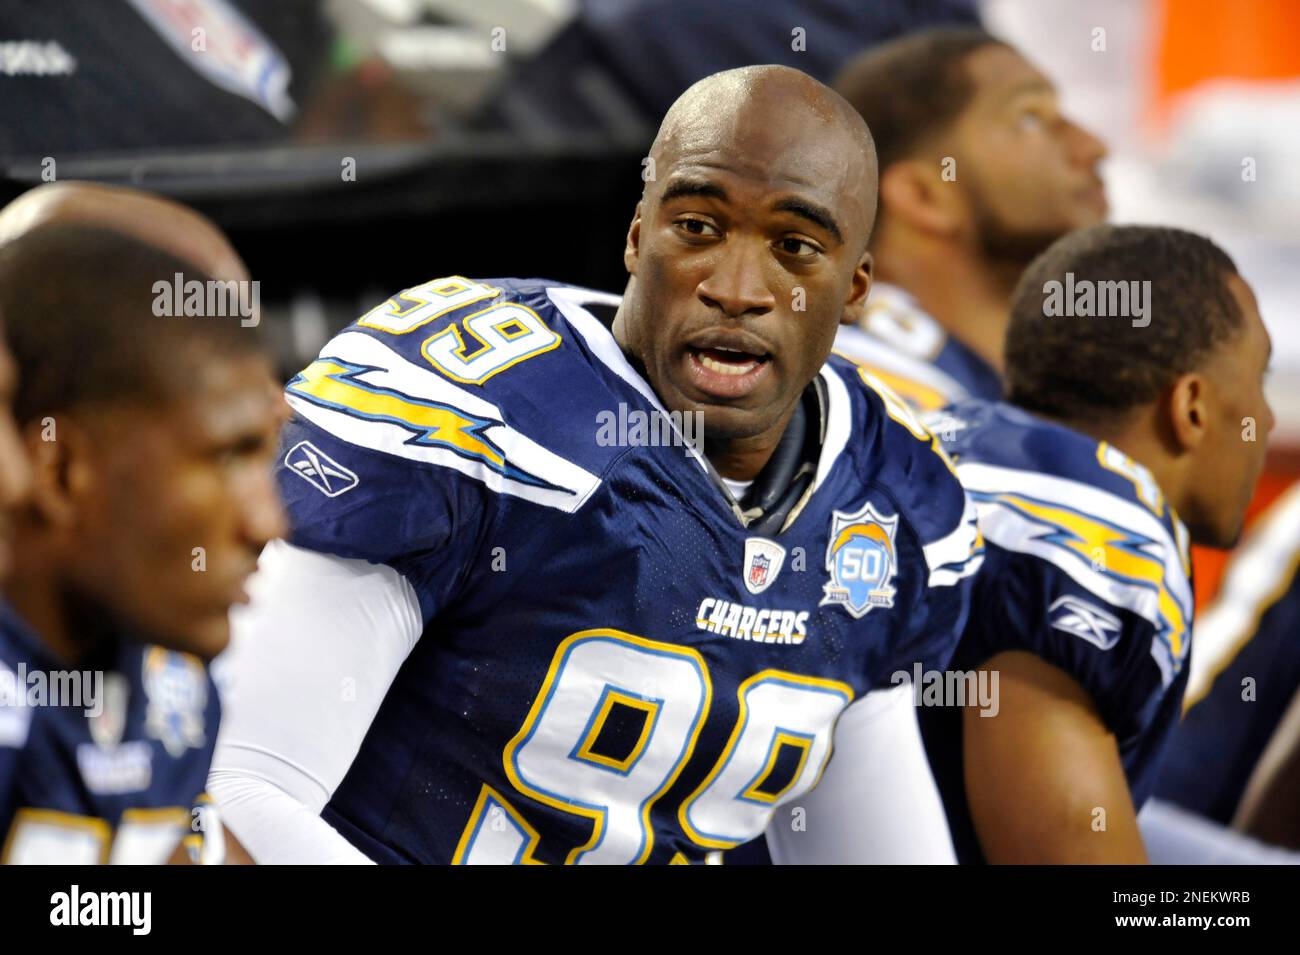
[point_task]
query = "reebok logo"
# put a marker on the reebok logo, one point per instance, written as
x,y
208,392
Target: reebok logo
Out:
x,y
1085,620
320,470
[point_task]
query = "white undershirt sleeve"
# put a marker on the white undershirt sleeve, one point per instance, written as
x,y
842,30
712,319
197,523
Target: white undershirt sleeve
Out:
x,y
877,802
311,658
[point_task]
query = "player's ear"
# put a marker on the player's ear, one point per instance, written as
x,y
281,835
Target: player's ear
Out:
x,y
57,449
859,289
632,250
1189,411
912,191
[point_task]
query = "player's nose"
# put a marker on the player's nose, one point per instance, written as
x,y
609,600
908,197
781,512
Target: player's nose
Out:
x,y
738,286
15,470
1085,147
262,512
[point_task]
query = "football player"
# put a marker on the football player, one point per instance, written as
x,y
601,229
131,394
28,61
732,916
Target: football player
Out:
x,y
15,473
979,172
150,438
532,610
1129,431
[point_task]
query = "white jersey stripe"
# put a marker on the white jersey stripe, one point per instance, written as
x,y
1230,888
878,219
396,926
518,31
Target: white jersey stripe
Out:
x,y
571,484
991,479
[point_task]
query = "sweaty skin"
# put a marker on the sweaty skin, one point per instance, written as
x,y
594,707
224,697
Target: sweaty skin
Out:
x,y
747,249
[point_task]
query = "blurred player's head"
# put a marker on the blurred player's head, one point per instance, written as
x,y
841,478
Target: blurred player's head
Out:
x,y
1179,388
154,220
150,436
748,245
973,149
15,474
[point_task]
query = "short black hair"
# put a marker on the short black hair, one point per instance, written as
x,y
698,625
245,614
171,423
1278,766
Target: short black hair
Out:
x,y
78,307
1078,368
910,89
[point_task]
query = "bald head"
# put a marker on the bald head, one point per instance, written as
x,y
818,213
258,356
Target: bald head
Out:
x,y
153,220
766,112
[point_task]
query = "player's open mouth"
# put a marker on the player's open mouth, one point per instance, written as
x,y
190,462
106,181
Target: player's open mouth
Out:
x,y
727,371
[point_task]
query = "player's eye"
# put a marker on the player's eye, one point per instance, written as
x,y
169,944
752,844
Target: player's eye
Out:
x,y
1032,120
800,248
697,227
243,448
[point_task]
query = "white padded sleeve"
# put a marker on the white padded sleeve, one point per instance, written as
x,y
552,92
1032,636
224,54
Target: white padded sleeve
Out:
x,y
877,801
311,658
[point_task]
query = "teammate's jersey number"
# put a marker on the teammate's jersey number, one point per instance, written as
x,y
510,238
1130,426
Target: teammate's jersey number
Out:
x,y
657,697
500,336
47,837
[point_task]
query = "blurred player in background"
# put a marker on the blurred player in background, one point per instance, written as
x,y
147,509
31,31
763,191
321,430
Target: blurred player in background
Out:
x,y
497,636
1121,441
152,219
150,438
979,173
1232,761
15,473
1270,806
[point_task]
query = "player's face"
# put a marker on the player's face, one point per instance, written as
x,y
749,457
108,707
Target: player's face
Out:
x,y
1028,174
15,471
746,252
1232,457
185,501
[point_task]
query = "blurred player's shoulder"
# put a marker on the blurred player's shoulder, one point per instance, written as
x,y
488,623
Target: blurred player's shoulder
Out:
x,y
101,763
908,350
15,716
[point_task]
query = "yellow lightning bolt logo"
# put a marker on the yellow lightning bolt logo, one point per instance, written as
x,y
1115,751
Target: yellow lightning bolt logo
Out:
x,y
1118,552
335,384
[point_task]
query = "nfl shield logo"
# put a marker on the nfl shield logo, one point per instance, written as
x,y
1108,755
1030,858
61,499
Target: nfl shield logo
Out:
x,y
107,726
763,560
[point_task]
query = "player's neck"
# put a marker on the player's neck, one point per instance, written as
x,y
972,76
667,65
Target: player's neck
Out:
x,y
743,459
37,596
1138,437
970,297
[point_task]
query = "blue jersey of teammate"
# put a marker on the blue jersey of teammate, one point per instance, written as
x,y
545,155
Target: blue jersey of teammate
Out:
x,y
914,355
103,763
614,667
1087,567
1245,671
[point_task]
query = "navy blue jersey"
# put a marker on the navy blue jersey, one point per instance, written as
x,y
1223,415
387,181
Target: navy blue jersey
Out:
x,y
103,763
1087,566
613,668
913,355
1245,670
